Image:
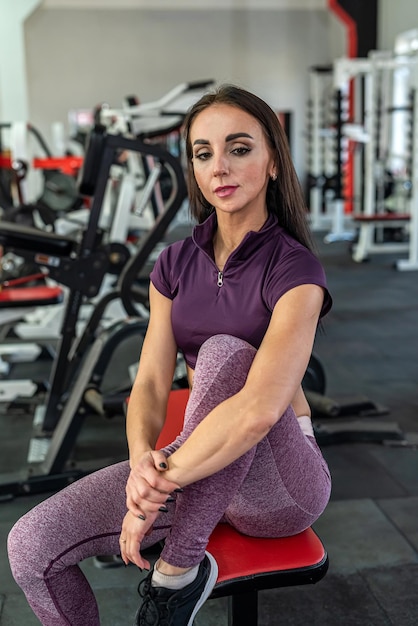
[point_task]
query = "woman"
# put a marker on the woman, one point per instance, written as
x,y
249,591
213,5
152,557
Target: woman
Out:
x,y
241,299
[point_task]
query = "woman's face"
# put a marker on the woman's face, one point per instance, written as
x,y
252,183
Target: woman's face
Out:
x,y
232,162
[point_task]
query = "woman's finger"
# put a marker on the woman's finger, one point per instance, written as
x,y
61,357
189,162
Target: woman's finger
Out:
x,y
132,533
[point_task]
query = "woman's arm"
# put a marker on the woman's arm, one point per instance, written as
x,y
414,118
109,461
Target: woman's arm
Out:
x,y
147,487
240,422
300,405
149,394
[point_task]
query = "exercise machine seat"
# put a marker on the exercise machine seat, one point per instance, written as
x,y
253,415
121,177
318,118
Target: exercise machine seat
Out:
x,y
250,564
40,295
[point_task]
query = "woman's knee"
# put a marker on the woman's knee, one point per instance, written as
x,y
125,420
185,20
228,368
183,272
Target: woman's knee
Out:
x,y
225,353
226,345
24,549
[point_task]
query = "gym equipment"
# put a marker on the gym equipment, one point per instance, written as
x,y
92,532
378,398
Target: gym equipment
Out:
x,y
82,266
321,146
17,297
373,74
327,155
314,379
337,420
79,265
24,288
133,177
18,195
158,122
157,118
137,183
378,136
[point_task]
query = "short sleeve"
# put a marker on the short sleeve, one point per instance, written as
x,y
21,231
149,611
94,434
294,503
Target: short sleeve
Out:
x,y
298,267
160,274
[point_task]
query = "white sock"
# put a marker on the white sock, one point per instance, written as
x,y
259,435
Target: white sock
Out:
x,y
173,582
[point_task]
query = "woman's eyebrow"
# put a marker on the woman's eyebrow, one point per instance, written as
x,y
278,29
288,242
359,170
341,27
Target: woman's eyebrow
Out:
x,y
227,138
237,136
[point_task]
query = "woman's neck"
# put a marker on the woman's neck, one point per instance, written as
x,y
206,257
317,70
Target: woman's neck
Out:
x,y
230,233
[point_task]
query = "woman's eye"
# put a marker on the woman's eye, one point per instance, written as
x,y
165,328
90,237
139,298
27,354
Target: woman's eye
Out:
x,y
202,156
240,151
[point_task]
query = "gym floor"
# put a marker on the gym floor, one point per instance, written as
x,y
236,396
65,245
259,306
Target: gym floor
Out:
x,y
369,348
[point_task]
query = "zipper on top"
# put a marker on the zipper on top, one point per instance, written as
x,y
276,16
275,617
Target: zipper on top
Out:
x,y
220,279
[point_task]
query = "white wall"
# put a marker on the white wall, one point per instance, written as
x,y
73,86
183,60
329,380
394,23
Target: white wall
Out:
x,y
79,58
186,4
395,18
13,79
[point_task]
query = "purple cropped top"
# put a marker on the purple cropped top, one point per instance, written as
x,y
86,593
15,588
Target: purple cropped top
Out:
x,y
240,300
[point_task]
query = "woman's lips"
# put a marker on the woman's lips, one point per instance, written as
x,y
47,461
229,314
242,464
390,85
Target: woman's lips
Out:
x,y
224,192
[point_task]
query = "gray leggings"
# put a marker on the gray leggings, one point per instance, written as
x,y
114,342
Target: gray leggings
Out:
x,y
277,488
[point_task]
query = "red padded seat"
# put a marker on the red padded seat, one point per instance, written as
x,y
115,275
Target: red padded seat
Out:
x,y
177,401
30,296
240,556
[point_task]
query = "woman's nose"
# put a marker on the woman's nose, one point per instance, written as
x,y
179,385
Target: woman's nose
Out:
x,y
220,167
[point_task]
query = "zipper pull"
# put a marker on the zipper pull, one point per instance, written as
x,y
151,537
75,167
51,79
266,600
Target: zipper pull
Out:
x,y
220,279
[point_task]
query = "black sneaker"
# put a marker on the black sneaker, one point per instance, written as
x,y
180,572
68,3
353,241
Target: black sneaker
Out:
x,y
165,607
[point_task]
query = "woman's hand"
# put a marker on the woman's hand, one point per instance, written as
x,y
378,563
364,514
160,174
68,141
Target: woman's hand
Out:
x,y
133,532
147,492
147,489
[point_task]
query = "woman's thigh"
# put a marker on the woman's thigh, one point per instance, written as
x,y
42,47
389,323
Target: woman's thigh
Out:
x,y
287,486
82,520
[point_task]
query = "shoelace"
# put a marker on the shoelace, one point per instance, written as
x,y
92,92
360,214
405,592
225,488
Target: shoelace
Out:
x,y
151,613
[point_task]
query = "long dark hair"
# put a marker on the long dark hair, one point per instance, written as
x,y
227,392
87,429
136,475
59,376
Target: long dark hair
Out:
x,y
284,195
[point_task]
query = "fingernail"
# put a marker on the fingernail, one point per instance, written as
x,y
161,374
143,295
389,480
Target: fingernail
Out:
x,y
179,490
163,465
170,499
163,509
142,517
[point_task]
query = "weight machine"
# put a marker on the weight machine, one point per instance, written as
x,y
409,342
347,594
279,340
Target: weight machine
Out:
x,y
327,151
376,135
137,191
160,122
35,186
82,266
379,136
